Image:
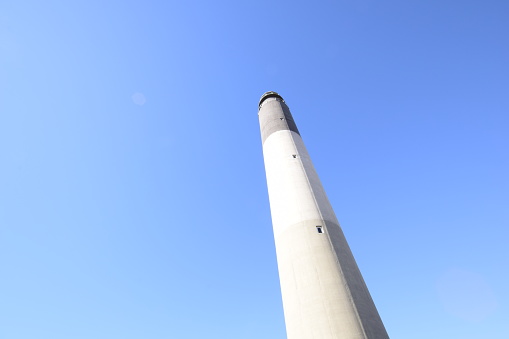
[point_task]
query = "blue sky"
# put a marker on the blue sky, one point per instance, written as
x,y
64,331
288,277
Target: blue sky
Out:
x,y
133,201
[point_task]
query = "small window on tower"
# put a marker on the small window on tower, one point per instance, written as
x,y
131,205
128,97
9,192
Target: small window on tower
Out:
x,y
294,155
319,229
282,118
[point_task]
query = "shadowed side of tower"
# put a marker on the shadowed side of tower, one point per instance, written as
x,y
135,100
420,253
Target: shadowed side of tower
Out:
x,y
324,294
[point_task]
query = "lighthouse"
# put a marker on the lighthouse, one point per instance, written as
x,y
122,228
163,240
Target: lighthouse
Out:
x,y
324,294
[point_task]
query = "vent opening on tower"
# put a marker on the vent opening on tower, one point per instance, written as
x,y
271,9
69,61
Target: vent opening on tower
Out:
x,y
294,156
319,229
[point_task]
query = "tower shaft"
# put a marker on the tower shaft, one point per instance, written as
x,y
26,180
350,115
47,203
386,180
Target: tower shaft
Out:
x,y
324,294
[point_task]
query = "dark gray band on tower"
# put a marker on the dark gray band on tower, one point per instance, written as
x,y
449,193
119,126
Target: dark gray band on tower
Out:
x,y
274,115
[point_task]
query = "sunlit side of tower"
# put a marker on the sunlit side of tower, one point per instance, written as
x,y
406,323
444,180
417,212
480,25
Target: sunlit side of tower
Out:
x,y
324,294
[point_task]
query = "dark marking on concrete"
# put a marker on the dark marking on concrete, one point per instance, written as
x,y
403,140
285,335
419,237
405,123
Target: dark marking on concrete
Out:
x,y
275,116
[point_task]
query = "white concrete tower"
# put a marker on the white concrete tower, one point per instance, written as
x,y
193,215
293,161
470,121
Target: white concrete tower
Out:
x,y
324,294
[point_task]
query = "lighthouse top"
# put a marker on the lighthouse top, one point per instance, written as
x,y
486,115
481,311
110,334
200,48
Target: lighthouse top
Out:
x,y
269,94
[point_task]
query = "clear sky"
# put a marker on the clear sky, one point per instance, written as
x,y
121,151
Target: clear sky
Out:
x,y
133,201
